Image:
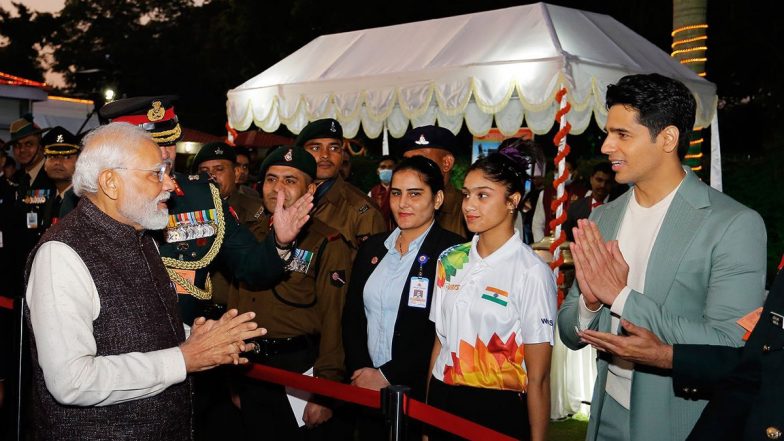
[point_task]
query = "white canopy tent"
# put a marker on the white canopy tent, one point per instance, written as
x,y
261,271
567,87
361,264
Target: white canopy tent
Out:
x,y
503,66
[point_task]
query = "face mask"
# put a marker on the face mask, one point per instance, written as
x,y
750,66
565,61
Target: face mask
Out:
x,y
385,175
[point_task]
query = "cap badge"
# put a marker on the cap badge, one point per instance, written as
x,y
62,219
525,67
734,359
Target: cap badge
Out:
x,y
60,138
332,128
422,140
219,151
289,156
156,113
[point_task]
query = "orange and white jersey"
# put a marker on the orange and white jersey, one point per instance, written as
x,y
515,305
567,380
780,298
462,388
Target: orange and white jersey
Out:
x,y
486,310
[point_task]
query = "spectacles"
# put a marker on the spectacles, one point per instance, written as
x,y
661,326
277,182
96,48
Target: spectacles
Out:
x,y
160,172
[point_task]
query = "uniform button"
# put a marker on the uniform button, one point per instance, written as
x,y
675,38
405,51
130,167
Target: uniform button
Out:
x,y
193,254
773,432
765,348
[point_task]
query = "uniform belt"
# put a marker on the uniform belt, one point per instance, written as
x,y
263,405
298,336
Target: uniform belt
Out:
x,y
269,347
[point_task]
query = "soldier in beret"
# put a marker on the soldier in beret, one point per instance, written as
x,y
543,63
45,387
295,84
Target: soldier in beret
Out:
x,y
439,145
338,203
33,190
61,148
201,224
302,313
218,160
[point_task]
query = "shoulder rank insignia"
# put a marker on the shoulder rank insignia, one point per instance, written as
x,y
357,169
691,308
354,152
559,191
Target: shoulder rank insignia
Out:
x,y
193,177
364,208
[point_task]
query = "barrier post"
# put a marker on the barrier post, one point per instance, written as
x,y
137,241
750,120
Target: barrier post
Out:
x,y
392,399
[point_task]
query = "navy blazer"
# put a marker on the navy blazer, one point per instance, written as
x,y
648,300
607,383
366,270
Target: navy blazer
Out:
x,y
414,334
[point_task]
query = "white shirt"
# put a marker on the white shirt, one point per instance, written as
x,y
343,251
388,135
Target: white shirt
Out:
x,y
486,310
64,302
636,236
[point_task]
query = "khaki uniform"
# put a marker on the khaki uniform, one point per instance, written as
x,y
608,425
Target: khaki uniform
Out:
x,y
351,212
246,207
310,298
450,215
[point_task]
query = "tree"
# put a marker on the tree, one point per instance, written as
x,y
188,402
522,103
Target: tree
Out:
x,y
20,37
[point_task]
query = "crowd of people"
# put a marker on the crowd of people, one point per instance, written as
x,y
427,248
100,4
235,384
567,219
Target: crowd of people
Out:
x,y
147,289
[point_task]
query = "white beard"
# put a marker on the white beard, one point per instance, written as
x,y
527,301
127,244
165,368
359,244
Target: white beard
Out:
x,y
146,213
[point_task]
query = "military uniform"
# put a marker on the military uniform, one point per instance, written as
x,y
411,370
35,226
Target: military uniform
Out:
x,y
201,226
248,209
338,203
349,211
450,216
58,142
302,314
26,213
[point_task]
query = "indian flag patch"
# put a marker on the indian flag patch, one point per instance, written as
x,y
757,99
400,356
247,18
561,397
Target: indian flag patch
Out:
x,y
496,295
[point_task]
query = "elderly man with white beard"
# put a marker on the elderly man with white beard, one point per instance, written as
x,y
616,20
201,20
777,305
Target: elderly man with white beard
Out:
x,y
109,350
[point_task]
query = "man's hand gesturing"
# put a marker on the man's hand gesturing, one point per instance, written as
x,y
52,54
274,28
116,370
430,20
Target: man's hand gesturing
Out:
x,y
216,342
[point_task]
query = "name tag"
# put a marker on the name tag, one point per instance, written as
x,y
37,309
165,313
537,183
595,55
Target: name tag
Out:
x,y
32,220
417,292
777,319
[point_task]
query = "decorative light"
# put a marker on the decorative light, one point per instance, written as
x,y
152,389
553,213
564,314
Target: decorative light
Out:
x,y
108,95
691,49
71,100
694,156
688,40
13,80
697,141
694,60
689,28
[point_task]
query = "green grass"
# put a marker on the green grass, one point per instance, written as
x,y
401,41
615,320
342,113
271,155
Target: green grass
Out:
x,y
569,429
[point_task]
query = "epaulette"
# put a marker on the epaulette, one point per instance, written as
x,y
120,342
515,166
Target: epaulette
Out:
x,y
325,230
187,179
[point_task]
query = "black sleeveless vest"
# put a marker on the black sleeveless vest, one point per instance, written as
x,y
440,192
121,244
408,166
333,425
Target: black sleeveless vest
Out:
x,y
138,314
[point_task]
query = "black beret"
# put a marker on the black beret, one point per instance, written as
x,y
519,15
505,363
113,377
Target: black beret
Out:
x,y
214,150
154,114
59,141
290,156
322,128
430,137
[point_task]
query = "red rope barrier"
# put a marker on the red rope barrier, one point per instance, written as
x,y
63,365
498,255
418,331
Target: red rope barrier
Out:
x,y
452,424
319,386
371,398
6,302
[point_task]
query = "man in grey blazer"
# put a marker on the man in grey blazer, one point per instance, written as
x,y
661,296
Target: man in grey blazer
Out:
x,y
682,260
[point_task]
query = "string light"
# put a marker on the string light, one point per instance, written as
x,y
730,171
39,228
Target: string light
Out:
x,y
691,49
13,80
71,100
695,156
688,40
694,60
697,141
688,28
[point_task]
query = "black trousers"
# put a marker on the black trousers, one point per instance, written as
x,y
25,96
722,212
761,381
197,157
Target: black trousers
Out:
x,y
501,410
266,412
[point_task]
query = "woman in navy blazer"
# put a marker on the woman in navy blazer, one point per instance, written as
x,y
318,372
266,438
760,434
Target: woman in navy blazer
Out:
x,y
416,193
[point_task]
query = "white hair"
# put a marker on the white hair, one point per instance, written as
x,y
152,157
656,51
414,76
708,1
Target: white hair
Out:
x,y
111,146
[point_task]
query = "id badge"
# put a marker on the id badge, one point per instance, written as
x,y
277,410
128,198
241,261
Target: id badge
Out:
x,y
417,292
32,220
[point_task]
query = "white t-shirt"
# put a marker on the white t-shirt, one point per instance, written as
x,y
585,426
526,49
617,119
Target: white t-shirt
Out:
x,y
486,310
